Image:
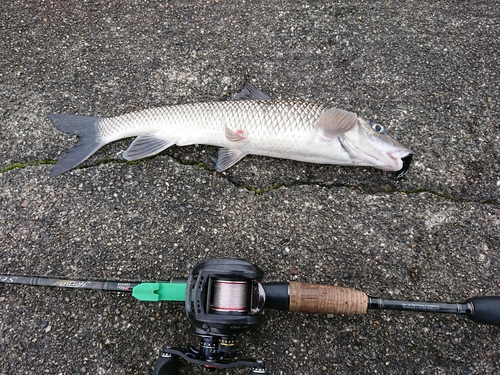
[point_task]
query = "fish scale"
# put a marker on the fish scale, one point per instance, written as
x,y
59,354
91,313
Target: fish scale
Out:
x,y
251,124
258,118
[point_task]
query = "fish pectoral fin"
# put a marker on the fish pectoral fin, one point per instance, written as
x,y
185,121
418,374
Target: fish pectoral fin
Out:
x,y
228,157
335,122
146,145
250,92
235,136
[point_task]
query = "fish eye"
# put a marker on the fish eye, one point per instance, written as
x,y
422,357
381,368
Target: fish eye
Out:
x,y
378,128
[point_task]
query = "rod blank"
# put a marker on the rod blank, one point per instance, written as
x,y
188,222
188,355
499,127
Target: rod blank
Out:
x,y
434,307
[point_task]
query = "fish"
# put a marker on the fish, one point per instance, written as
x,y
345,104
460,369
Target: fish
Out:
x,y
250,123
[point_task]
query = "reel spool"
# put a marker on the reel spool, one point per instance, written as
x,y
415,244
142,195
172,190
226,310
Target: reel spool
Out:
x,y
230,296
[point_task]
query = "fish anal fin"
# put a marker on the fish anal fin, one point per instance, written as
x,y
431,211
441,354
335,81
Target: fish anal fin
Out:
x,y
235,136
335,122
228,157
250,92
145,145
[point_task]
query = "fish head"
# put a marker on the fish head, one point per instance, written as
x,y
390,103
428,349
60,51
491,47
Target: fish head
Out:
x,y
370,144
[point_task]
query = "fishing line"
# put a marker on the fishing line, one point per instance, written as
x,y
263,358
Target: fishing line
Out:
x,y
230,296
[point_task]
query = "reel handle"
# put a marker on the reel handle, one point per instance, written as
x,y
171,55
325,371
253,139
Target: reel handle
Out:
x,y
486,310
167,364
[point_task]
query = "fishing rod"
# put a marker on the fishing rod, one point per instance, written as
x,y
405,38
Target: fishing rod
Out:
x,y
224,297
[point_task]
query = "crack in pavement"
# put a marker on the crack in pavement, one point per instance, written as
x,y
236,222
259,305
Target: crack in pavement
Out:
x,y
264,190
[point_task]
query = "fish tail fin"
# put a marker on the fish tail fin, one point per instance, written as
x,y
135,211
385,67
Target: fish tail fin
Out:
x,y
86,129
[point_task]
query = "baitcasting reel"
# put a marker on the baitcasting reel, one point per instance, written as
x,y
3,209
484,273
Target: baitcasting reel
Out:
x,y
223,298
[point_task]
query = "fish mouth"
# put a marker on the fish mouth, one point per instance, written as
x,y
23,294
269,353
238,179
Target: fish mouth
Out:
x,y
390,164
406,165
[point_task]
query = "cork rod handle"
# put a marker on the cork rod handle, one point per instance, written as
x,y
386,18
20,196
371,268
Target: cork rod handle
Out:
x,y
324,299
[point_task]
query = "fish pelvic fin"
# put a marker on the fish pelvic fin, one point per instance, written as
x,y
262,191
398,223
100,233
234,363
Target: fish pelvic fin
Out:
x,y
86,129
146,145
228,157
250,92
335,122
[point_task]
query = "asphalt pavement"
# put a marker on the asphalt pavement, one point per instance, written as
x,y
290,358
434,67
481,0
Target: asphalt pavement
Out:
x,y
428,71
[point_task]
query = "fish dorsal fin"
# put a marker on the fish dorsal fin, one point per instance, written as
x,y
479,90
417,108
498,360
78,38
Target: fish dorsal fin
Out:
x,y
250,92
335,122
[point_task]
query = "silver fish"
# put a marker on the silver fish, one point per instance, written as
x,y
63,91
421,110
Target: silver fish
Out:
x,y
251,123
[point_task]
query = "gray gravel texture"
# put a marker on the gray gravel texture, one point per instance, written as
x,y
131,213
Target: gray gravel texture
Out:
x,y
427,70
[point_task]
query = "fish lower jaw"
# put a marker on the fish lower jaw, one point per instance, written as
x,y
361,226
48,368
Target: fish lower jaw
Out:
x,y
383,162
392,165
397,159
399,154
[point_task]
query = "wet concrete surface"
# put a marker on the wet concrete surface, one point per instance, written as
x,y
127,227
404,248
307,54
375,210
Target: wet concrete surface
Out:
x,y
427,71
